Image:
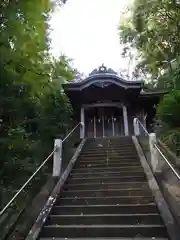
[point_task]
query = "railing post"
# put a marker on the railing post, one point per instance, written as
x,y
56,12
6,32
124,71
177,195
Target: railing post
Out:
x,y
125,117
136,127
57,158
82,127
155,160
82,130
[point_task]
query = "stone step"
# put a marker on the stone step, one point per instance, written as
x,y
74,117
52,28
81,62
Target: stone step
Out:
x,y
106,186
137,238
129,162
106,196
118,165
113,200
110,149
102,165
105,209
108,158
103,219
103,175
100,147
105,193
110,154
70,231
107,172
118,179
108,145
122,168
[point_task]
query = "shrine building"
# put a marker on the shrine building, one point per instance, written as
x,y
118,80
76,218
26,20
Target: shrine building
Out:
x,y
106,103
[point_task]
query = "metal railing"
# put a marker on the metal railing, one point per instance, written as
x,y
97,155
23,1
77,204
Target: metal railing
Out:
x,y
9,204
145,130
159,151
166,160
69,145
166,175
26,183
69,134
8,224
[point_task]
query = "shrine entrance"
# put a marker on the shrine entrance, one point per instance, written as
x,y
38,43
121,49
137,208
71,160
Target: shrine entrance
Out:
x,y
105,103
104,122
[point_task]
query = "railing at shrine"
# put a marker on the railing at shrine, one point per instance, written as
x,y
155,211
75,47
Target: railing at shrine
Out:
x,y
167,176
13,216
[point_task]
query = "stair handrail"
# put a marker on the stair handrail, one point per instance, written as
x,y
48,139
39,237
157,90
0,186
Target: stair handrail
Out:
x,y
166,160
69,134
34,174
26,183
145,130
160,152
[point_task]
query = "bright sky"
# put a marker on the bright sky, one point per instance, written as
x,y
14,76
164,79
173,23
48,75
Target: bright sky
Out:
x,y
86,31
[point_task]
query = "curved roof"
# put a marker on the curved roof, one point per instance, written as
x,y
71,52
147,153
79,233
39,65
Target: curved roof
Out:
x,y
103,77
105,84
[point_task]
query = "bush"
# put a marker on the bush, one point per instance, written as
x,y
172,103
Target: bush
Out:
x,y
172,140
169,109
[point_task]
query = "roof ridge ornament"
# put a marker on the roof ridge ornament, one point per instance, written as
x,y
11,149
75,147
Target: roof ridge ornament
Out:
x,y
103,69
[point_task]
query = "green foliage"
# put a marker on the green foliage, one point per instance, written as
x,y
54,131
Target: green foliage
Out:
x,y
55,115
168,109
151,31
169,80
151,27
33,107
168,113
172,140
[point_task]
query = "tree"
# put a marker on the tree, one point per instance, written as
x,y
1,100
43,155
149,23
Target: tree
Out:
x,y
151,30
33,107
168,110
151,27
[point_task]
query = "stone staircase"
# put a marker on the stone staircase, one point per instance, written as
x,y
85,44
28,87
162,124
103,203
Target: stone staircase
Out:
x,y
106,197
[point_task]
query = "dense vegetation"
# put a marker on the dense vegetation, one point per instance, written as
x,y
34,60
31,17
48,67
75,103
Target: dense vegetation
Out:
x,y
33,107
150,30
